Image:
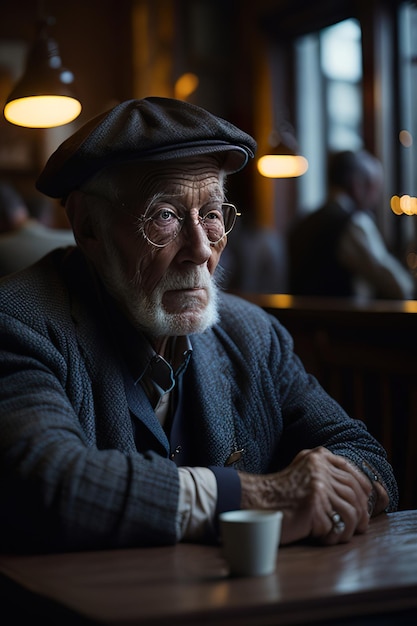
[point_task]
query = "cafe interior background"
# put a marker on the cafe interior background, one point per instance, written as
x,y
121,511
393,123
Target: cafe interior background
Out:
x,y
301,76
331,75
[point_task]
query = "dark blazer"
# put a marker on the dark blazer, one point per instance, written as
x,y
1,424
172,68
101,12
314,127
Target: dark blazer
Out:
x,y
72,475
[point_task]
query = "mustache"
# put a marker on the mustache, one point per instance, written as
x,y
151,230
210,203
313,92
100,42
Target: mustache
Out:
x,y
195,278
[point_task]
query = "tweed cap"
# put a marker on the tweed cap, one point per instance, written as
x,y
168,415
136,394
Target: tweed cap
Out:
x,y
152,129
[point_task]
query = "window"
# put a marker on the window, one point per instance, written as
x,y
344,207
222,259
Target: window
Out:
x,y
341,66
329,69
407,131
408,98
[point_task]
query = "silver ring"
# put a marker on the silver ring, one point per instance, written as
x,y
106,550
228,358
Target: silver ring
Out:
x,y
338,524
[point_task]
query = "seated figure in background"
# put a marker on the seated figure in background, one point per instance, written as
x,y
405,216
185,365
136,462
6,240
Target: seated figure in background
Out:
x,y
138,400
338,250
254,260
24,239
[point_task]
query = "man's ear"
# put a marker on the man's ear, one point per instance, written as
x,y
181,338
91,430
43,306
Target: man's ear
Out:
x,y
85,231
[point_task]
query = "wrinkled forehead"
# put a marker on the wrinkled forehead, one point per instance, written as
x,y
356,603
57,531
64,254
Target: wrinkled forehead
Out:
x,y
200,173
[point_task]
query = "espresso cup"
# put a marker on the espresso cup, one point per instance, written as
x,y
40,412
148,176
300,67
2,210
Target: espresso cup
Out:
x,y
250,541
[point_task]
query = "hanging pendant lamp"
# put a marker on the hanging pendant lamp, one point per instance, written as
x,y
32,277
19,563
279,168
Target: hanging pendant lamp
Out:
x,y
44,97
282,159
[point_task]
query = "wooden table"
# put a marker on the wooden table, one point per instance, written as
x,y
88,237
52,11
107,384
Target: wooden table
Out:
x,y
374,576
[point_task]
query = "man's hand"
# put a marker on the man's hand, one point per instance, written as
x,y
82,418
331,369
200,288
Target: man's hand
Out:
x,y
316,485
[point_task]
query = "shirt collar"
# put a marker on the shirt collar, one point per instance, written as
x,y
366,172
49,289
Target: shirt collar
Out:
x,y
161,371
142,360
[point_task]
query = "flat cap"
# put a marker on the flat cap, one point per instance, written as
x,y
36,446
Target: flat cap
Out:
x,y
152,129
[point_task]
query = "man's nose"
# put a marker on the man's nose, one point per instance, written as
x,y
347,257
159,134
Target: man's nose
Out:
x,y
194,225
195,236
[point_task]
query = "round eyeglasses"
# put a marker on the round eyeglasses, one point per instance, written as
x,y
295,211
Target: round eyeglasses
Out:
x,y
160,226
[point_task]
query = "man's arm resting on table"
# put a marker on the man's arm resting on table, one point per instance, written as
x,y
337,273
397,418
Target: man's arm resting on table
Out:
x,y
315,484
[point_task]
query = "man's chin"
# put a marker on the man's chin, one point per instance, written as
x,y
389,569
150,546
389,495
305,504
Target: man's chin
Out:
x,y
187,322
180,301
174,311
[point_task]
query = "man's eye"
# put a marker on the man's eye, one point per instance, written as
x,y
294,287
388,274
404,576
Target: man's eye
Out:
x,y
213,216
164,215
212,213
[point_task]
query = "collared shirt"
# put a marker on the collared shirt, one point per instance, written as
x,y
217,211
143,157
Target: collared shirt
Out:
x,y
157,376
198,485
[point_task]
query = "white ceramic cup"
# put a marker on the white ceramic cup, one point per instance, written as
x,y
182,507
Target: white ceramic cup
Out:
x,y
250,540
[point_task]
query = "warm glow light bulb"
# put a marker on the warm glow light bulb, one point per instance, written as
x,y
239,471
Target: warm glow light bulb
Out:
x,y
282,166
42,111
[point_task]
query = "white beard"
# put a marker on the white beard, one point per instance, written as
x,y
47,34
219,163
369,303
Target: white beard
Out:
x,y
147,311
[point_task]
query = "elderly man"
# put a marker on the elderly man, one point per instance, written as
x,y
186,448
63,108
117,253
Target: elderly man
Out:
x,y
137,401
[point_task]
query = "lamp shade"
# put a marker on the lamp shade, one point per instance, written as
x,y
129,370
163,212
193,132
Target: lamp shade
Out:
x,y
44,96
282,165
282,159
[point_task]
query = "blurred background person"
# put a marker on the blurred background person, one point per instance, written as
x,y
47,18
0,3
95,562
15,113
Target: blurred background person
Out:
x,y
255,258
23,238
338,250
